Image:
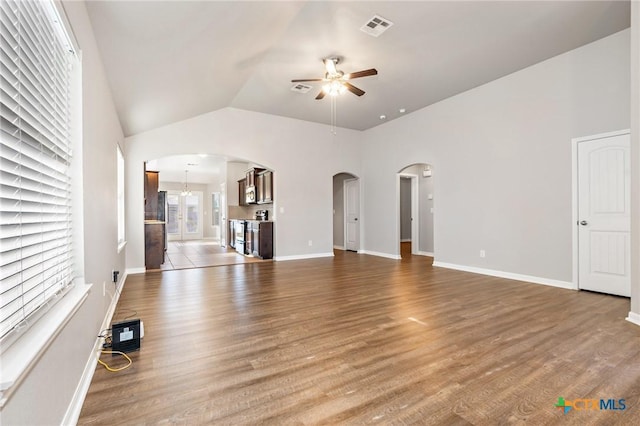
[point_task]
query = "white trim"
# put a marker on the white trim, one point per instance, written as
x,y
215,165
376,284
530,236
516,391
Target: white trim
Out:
x,y
425,253
380,254
23,354
302,256
574,196
133,271
633,318
508,275
405,240
121,246
339,247
72,414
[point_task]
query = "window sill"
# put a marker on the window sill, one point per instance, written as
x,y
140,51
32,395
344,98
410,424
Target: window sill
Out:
x,y
20,355
121,246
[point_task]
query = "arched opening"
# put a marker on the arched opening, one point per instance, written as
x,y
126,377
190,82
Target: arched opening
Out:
x,y
416,210
193,199
346,212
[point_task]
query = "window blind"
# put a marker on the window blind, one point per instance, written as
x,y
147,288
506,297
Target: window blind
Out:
x,y
35,232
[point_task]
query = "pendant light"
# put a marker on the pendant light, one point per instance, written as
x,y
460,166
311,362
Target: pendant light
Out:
x,y
185,191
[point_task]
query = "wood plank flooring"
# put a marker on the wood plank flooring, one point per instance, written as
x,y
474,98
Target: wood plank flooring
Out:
x,y
358,339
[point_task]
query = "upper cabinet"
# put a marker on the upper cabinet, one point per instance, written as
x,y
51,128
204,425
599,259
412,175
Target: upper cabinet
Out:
x,y
256,187
242,192
264,187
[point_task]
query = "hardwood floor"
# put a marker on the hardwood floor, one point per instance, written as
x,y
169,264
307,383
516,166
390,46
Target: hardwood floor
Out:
x,y
360,339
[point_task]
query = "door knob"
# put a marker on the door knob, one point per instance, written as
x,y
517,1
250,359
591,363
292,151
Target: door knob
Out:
x,y
583,222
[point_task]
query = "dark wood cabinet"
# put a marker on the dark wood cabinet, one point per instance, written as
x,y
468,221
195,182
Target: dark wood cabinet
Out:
x,y
265,187
261,181
260,235
153,244
251,176
242,192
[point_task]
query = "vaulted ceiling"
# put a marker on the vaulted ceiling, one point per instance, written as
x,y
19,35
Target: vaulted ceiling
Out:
x,y
167,61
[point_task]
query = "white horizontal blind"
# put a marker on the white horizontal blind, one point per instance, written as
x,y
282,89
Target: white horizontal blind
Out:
x,y
35,231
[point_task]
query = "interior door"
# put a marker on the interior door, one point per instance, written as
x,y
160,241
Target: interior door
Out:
x,y
184,221
352,213
603,215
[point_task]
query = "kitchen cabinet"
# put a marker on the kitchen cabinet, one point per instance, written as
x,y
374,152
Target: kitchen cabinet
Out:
x,y
260,183
153,244
242,192
265,187
260,234
251,175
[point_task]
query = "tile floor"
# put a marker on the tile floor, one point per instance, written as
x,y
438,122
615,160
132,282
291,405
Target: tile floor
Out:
x,y
200,254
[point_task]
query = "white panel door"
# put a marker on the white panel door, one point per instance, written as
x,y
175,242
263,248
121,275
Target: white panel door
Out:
x,y
603,215
352,212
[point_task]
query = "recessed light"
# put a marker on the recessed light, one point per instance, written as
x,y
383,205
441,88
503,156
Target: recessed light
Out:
x,y
382,117
402,110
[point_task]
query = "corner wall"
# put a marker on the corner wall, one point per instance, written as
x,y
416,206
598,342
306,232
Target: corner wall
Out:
x,y
503,158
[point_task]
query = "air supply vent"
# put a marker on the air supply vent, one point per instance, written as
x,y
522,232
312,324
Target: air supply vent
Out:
x,y
376,26
300,88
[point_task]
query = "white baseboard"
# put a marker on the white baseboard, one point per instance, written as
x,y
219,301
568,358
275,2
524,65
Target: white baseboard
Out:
x,y
425,253
133,271
406,240
633,318
302,256
339,248
508,275
75,406
379,254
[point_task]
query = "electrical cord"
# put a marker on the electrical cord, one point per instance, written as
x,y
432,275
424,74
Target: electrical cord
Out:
x,y
114,370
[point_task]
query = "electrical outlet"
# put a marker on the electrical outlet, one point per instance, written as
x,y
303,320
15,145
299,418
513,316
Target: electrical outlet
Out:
x,y
104,288
310,243
483,253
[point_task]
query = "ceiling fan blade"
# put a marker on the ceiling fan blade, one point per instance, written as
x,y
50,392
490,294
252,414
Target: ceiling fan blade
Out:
x,y
307,79
364,73
353,89
320,95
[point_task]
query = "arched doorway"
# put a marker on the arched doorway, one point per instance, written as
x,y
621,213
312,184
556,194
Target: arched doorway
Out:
x,y
416,210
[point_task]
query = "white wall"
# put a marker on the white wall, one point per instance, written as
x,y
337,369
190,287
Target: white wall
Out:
x,y
45,394
503,158
304,155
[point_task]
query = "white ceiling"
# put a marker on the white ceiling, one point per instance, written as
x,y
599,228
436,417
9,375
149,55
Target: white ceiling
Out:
x,y
170,60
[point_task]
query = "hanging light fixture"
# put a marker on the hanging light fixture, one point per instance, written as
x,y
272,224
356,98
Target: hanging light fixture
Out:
x,y
185,191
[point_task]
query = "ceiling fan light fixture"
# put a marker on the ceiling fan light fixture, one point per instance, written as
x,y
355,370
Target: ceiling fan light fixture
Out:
x,y
334,88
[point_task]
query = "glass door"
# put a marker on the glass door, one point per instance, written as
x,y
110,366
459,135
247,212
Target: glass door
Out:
x,y
184,216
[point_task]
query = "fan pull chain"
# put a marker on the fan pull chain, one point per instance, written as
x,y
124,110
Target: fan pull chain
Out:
x,y
334,114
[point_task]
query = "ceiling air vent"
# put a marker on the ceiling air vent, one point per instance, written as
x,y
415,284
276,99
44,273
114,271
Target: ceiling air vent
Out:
x,y
376,26
300,88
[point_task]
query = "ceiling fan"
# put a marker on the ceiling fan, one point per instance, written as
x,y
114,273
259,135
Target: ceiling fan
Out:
x,y
336,80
